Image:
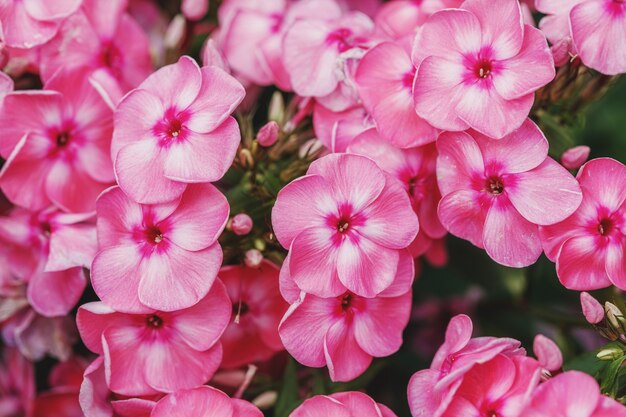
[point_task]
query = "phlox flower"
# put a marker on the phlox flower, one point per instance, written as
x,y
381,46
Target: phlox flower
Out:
x,y
57,144
466,373
591,29
479,67
400,18
497,192
252,335
345,224
347,331
342,404
100,36
415,169
203,401
157,351
175,129
336,129
162,256
385,82
572,394
28,23
588,247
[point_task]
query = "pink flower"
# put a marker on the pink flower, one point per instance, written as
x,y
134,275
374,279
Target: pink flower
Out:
x,y
268,134
497,192
572,394
28,23
399,18
479,67
17,383
574,157
345,224
100,37
592,27
257,308
342,404
56,142
163,256
337,129
37,336
589,246
157,351
385,81
433,391
592,309
548,353
415,169
203,401
346,331
175,129
195,9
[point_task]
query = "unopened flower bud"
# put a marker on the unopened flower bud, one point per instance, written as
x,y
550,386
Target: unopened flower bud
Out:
x,y
615,317
592,309
548,353
253,258
241,224
574,157
245,158
266,400
268,134
175,32
609,353
277,107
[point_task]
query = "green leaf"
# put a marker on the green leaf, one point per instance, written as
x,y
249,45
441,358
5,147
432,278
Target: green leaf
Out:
x,y
587,363
609,379
288,398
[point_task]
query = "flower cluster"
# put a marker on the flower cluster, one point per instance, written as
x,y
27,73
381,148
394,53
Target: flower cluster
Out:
x,y
180,243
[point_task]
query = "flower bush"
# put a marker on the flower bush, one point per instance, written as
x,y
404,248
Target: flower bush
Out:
x,y
312,208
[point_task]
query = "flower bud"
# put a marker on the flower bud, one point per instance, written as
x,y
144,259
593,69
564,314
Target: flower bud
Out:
x,y
266,400
615,317
277,107
268,134
548,353
574,157
175,33
609,353
253,258
592,309
241,224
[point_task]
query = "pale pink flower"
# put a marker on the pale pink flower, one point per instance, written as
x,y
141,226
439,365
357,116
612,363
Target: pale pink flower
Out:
x,y
101,36
432,391
28,23
548,353
479,67
57,144
195,9
342,404
157,351
345,224
337,129
588,247
415,169
572,394
162,256
399,18
252,335
592,309
574,157
203,401
385,82
17,383
347,331
497,192
175,129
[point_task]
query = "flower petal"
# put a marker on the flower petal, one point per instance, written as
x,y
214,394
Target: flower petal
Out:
x,y
344,358
580,264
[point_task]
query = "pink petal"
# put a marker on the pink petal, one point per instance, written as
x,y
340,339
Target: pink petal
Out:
x,y
204,401
323,406
580,264
359,403
604,182
548,353
448,33
574,157
117,216
609,408
570,393
199,218
56,293
203,157
459,161
132,407
337,129
219,96
304,328
404,276
463,214
458,334
420,392
20,30
177,278
70,246
545,195
595,25
93,395
93,318
46,10
527,71
592,309
365,267
510,239
177,85
344,358
140,173
288,288
72,189
378,327
616,263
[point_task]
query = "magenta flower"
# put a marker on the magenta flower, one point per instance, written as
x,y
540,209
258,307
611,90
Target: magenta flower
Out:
x,y
479,67
57,144
345,223
345,332
164,256
589,246
28,23
157,351
497,192
342,404
572,394
252,336
175,129
203,401
385,81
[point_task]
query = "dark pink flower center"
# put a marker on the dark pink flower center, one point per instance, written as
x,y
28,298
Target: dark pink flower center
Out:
x,y
407,80
605,226
346,301
343,225
483,69
240,309
154,235
110,56
491,413
171,127
154,321
62,139
494,185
